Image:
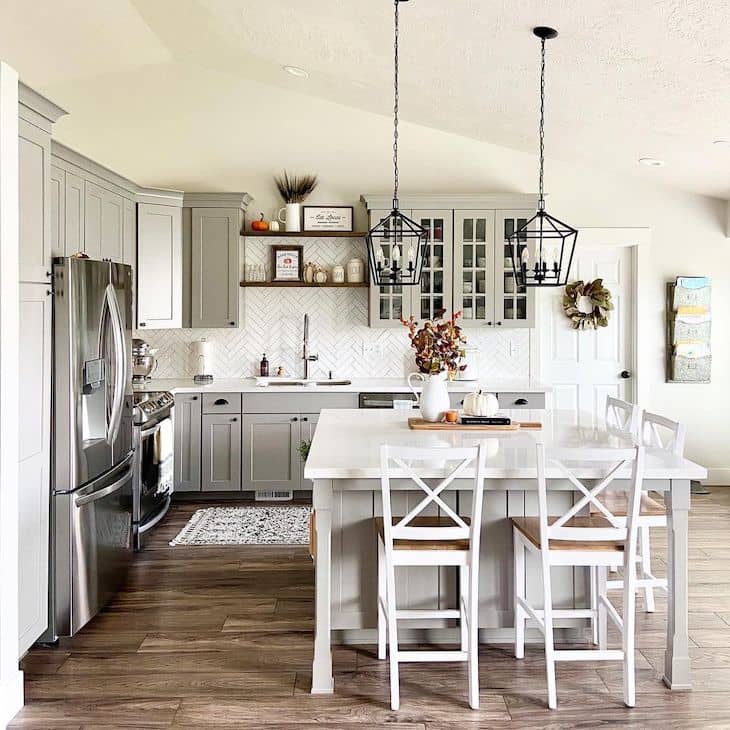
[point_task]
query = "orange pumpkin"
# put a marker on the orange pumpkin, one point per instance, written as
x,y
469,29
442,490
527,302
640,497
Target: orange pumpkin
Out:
x,y
260,225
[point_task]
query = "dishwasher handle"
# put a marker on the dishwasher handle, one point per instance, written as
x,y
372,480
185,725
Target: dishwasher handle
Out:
x,y
84,498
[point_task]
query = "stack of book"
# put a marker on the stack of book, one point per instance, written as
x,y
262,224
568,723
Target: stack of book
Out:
x,y
689,321
485,420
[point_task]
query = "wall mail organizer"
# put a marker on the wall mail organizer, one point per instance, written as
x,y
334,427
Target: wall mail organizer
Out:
x,y
689,324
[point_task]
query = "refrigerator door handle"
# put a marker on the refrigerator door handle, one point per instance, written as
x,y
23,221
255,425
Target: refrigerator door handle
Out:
x,y
120,366
87,498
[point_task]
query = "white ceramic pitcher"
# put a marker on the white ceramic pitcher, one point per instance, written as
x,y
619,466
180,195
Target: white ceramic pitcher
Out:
x,y
434,398
291,216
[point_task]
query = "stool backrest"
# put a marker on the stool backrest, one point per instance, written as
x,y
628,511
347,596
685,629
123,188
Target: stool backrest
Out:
x,y
607,463
622,415
662,433
397,462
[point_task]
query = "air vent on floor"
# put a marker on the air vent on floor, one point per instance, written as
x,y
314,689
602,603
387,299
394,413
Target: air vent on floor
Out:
x,y
274,496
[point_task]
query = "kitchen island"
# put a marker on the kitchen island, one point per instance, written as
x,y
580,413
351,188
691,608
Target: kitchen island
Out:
x,y
343,464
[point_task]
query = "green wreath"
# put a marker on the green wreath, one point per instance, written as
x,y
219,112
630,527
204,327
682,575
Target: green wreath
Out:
x,y
587,304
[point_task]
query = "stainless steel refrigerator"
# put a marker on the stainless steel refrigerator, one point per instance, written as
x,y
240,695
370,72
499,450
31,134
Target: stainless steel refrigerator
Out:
x,y
91,540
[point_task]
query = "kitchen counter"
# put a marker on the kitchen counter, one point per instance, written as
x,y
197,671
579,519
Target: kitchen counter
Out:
x,y
358,385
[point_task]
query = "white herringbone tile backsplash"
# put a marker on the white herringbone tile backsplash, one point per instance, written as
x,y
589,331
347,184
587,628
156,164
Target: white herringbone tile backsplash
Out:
x,y
339,333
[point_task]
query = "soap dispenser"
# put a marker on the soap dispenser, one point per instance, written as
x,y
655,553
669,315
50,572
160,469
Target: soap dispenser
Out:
x,y
264,367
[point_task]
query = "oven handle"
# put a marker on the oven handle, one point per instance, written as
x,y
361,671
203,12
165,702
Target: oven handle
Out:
x,y
146,433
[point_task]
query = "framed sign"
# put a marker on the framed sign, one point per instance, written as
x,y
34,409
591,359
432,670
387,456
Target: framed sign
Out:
x,y
328,218
287,263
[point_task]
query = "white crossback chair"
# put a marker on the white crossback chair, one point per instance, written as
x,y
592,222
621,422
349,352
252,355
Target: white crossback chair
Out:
x,y
418,539
598,541
656,432
622,415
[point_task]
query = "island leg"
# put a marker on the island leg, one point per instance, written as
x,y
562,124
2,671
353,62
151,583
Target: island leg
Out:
x,y
677,673
322,680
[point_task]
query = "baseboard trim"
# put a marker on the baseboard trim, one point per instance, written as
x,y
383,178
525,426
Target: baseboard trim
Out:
x,y
11,698
718,477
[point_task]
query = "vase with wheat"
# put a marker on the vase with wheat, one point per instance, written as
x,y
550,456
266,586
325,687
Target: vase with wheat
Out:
x,y
294,190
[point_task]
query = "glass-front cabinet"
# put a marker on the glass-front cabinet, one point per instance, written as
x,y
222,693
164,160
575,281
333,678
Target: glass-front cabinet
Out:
x,y
466,262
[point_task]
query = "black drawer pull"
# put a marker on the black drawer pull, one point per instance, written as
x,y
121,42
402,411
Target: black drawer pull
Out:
x,y
521,402
221,402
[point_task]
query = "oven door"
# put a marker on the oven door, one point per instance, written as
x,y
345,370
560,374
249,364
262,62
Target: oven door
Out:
x,y
156,472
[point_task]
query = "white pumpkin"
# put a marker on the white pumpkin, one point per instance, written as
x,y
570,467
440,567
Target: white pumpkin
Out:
x,y
481,404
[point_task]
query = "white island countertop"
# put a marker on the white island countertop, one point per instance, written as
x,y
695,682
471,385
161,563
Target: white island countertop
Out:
x,y
346,445
358,385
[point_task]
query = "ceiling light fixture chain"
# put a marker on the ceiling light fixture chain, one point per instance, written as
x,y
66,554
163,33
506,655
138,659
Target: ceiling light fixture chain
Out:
x,y
396,100
541,202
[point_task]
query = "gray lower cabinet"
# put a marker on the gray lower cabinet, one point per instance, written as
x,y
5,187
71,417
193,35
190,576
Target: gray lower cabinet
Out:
x,y
221,458
271,451
308,425
188,411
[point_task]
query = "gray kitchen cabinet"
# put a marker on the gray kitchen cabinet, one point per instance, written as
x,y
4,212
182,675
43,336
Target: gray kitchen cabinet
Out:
x,y
93,212
188,432
74,216
58,211
34,441
112,226
129,239
214,267
307,427
271,451
467,264
34,208
221,458
159,264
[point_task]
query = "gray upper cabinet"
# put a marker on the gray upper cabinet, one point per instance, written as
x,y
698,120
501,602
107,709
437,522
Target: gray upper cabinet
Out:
x,y
159,264
58,211
93,212
270,451
34,170
112,226
74,215
188,432
466,261
129,239
221,460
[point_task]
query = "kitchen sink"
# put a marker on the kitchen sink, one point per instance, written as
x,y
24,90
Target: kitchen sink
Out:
x,y
305,383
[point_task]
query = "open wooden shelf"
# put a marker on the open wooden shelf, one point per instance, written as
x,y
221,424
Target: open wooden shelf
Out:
x,y
301,284
305,234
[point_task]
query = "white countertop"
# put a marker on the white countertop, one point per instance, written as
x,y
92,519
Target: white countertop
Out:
x,y
358,385
346,445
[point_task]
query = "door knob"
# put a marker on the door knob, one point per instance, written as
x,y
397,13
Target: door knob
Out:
x,y
625,374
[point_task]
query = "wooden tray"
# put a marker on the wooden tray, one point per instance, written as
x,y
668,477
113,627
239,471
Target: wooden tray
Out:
x,y
418,424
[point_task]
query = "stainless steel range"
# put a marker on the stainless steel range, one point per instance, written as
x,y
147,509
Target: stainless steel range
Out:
x,y
152,485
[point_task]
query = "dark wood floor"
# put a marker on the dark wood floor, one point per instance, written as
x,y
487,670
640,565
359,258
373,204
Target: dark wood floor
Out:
x,y
222,637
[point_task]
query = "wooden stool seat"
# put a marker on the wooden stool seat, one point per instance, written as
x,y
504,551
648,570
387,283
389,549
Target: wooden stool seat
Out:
x,y
530,528
424,521
617,504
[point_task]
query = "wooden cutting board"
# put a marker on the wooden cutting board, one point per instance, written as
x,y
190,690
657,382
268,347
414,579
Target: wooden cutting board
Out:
x,y
418,424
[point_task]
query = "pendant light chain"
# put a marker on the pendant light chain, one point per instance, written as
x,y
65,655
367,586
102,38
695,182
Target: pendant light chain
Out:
x,y
541,202
395,112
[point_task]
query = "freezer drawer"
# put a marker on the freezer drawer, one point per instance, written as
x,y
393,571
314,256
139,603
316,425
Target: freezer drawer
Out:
x,y
93,547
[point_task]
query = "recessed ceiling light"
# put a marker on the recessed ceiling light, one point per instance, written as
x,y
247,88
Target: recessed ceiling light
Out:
x,y
300,73
651,161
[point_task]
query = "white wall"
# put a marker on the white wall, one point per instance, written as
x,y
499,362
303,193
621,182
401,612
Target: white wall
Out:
x,y
197,129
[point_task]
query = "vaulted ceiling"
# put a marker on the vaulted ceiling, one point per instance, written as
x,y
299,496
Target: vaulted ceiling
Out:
x,y
626,79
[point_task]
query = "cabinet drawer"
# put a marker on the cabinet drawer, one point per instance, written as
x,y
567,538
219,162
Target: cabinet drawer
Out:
x,y
521,400
222,403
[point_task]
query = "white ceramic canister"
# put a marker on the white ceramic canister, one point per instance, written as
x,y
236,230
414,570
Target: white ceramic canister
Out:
x,y
338,275
355,271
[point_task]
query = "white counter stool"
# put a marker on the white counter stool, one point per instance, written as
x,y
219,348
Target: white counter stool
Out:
x,y
418,539
660,433
597,541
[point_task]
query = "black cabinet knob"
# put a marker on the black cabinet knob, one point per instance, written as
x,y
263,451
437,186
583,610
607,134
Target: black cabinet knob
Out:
x,y
295,419
195,397
232,323
625,374
499,324
305,419
143,324
489,324
234,419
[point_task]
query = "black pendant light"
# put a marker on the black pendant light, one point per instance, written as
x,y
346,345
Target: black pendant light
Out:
x,y
395,245
542,249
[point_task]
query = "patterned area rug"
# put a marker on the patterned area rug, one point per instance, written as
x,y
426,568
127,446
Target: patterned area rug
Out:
x,y
273,525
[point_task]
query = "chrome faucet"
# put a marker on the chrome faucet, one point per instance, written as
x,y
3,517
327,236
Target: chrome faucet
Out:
x,y
305,350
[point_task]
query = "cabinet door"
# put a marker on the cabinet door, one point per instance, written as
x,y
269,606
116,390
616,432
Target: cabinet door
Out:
x,y
215,276
129,238
187,442
221,453
271,451
93,217
112,226
34,202
34,462
435,291
58,211
308,425
474,257
75,222
513,306
388,303
159,266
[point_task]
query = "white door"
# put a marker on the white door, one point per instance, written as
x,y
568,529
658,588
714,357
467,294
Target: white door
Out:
x,y
585,366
